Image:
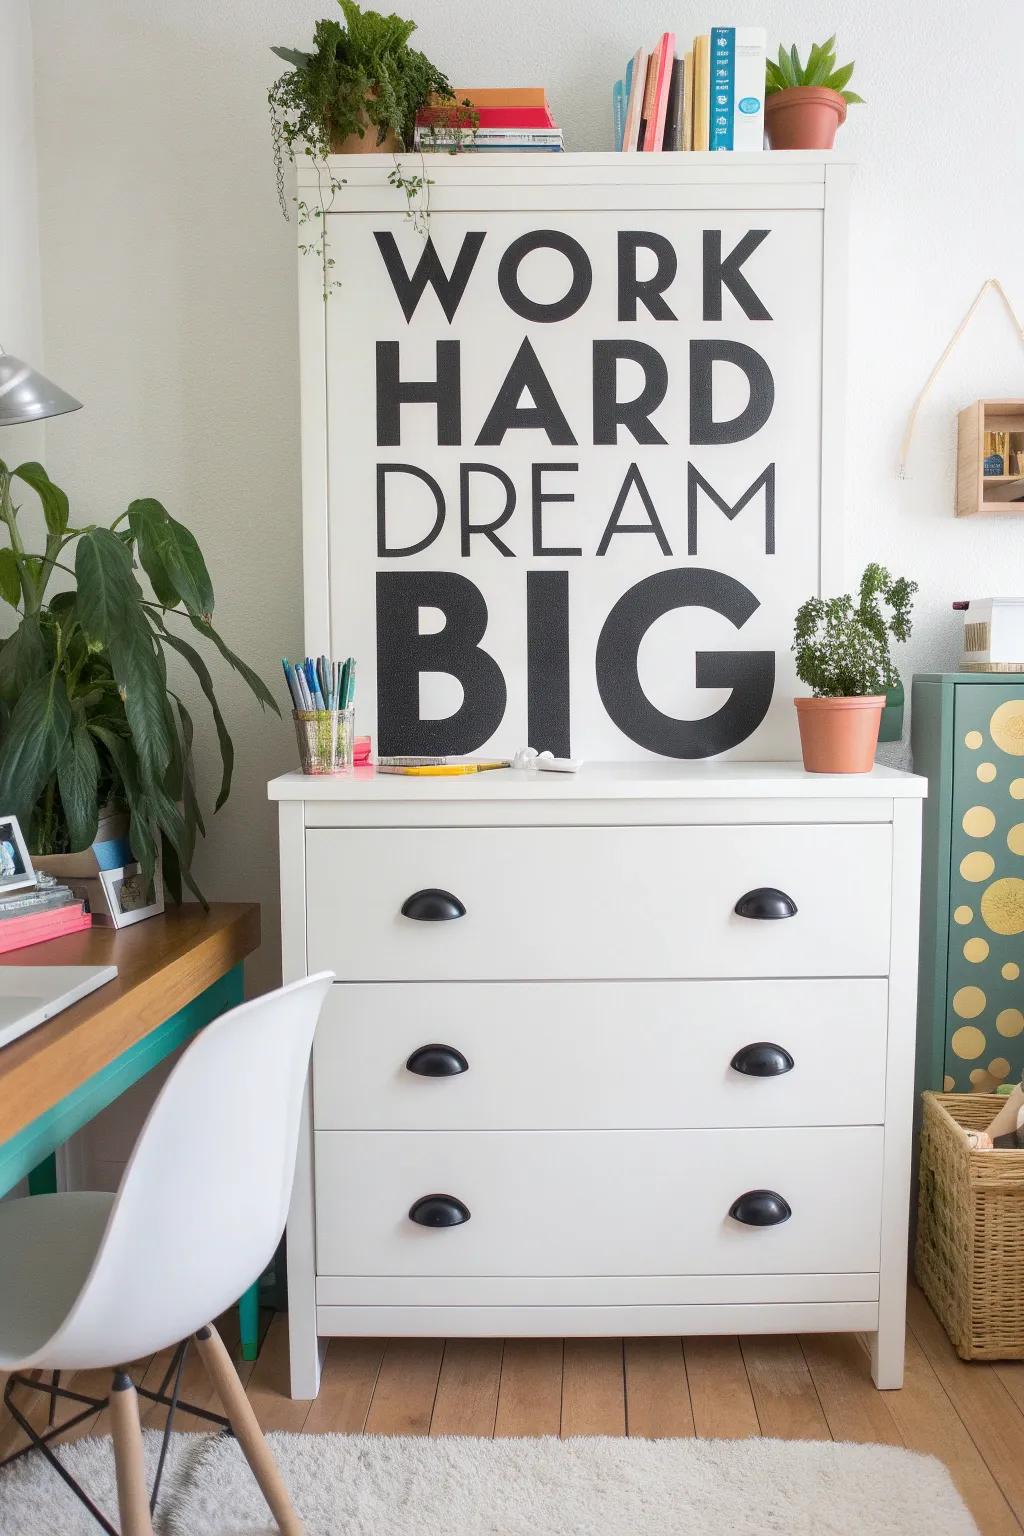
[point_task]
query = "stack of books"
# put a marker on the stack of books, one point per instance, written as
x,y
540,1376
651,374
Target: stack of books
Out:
x,y
42,912
490,118
710,97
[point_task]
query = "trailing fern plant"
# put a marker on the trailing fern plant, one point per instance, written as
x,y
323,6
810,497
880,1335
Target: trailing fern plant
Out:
x,y
842,648
820,70
86,713
362,78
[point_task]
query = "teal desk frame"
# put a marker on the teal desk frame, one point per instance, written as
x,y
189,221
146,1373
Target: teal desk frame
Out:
x,y
31,1153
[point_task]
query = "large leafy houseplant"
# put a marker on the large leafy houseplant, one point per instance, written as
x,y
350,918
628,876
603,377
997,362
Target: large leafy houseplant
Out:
x,y
86,712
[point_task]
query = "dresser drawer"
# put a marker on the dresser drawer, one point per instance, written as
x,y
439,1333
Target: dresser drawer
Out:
x,y
582,902
600,1055
597,1202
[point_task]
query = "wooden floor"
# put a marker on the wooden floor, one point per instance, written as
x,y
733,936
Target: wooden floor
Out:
x,y
813,1387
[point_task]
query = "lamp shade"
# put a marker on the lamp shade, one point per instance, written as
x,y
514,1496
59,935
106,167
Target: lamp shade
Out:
x,y
26,395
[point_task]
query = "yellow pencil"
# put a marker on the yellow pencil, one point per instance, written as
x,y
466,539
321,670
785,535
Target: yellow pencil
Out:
x,y
443,770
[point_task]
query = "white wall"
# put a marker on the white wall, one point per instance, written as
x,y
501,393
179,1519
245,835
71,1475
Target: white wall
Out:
x,y
170,307
21,321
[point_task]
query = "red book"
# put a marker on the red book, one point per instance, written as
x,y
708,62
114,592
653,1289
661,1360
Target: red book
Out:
x,y
655,136
490,117
17,932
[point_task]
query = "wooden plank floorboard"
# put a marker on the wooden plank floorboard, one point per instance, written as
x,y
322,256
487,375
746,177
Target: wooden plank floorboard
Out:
x,y
467,1388
720,1396
267,1387
346,1387
403,1399
785,1398
992,1417
657,1394
929,1423
854,1409
593,1390
530,1391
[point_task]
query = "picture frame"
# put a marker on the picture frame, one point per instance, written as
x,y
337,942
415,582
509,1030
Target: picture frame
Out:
x,y
16,870
124,897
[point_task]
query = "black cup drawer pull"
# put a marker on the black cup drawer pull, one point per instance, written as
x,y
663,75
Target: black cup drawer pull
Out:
x,y
766,903
439,1211
432,906
760,1208
762,1059
437,1061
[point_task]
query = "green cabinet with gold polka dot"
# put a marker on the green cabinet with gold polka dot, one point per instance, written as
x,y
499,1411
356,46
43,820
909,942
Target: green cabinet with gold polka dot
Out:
x,y
967,731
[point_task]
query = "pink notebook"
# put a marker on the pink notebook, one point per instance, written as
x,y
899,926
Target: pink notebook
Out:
x,y
666,53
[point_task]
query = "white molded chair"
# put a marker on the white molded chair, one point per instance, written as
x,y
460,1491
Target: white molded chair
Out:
x,y
95,1280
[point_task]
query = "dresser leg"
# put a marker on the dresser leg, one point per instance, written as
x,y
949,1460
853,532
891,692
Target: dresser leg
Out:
x,y
888,1347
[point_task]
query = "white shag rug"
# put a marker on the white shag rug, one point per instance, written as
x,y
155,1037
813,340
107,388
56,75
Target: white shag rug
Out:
x,y
355,1485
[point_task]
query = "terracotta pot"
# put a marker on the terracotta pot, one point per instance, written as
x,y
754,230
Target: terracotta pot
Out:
x,y
367,145
839,735
803,117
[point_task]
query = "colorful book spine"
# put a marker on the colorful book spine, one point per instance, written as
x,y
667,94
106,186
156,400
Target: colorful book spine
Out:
x,y
634,110
487,117
647,113
655,140
618,114
674,116
688,100
19,933
737,88
701,91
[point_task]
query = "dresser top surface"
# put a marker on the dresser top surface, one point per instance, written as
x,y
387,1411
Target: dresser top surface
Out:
x,y
657,779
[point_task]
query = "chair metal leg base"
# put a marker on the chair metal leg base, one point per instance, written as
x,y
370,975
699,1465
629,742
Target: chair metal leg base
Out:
x,y
53,1389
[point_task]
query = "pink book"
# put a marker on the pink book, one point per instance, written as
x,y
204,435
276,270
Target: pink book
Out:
x,y
655,136
17,933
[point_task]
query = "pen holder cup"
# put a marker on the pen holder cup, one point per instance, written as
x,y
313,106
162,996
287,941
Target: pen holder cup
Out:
x,y
326,738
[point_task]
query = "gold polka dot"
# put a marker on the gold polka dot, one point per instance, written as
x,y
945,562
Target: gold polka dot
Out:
x,y
1002,905
986,772
977,866
979,821
963,915
1017,789
999,1068
981,1081
976,950
1015,838
968,1002
1011,970
1010,1022
948,1084
973,739
1007,727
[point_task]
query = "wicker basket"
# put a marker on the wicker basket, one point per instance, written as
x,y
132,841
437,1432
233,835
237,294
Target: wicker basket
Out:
x,y
970,1229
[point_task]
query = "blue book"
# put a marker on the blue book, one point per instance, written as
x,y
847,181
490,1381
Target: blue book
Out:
x,y
618,114
723,87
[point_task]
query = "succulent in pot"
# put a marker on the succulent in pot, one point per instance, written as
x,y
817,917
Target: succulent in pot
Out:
x,y
842,654
805,104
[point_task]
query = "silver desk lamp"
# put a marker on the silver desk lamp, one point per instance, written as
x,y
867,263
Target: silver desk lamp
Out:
x,y
26,395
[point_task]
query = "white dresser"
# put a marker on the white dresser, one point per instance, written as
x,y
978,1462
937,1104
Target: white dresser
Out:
x,y
625,1052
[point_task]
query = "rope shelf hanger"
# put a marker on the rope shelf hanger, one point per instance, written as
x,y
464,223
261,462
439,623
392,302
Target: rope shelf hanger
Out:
x,y
990,282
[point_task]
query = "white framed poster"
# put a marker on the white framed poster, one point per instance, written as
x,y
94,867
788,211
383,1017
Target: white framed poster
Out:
x,y
572,452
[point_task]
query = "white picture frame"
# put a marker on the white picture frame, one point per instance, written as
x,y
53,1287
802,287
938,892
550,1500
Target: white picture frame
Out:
x,y
16,869
123,896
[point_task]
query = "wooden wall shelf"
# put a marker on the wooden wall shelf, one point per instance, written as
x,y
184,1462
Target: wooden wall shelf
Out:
x,y
976,491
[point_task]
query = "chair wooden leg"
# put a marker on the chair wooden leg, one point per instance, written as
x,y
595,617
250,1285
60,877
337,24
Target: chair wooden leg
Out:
x,y
132,1496
247,1431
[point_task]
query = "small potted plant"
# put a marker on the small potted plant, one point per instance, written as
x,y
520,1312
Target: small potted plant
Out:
x,y
842,654
805,104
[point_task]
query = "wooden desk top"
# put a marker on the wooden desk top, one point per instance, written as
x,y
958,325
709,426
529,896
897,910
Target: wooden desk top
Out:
x,y
162,964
